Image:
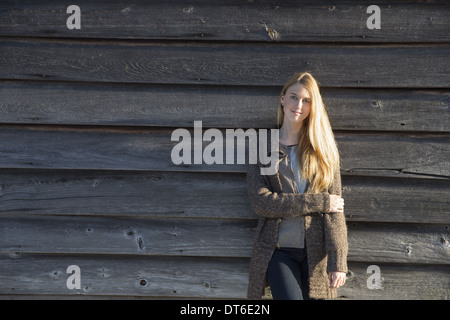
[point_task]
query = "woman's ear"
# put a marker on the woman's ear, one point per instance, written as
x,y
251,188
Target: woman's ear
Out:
x,y
282,101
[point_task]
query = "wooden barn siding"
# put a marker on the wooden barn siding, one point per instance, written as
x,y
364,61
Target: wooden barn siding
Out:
x,y
318,21
86,119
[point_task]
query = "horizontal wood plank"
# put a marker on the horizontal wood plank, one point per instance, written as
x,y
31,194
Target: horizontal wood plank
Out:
x,y
63,103
406,154
225,64
427,244
176,277
374,199
398,282
42,276
397,243
401,21
192,237
204,195
41,147
125,194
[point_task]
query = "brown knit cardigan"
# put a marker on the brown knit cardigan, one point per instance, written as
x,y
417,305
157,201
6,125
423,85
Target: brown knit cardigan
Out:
x,y
326,233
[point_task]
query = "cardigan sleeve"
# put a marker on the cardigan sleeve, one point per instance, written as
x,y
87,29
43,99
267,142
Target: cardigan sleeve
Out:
x,y
335,228
269,204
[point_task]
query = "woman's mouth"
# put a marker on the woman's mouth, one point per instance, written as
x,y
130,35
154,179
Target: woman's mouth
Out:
x,y
297,113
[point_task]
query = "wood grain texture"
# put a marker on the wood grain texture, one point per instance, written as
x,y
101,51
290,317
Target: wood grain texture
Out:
x,y
369,66
156,277
125,194
43,147
64,103
402,21
86,117
44,277
381,199
399,243
409,153
204,195
398,282
403,243
111,235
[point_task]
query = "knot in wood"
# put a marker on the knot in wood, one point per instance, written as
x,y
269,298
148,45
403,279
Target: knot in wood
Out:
x,y
408,250
142,282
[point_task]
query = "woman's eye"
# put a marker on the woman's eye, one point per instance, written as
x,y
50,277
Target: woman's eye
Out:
x,y
293,97
306,101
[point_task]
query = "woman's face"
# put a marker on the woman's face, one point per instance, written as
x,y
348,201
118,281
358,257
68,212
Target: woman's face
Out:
x,y
297,104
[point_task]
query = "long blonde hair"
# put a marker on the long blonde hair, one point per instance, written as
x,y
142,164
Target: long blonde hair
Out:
x,y
318,155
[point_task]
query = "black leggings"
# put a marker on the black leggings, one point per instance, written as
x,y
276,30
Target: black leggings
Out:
x,y
288,274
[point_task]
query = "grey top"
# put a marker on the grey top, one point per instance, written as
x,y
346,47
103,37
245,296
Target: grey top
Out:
x,y
291,232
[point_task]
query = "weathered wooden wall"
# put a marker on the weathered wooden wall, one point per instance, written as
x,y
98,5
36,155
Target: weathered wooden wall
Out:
x,y
86,118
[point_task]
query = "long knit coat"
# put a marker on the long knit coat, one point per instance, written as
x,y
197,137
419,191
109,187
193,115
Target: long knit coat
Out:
x,y
325,232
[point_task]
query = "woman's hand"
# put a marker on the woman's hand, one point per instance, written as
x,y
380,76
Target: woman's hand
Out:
x,y
337,279
336,204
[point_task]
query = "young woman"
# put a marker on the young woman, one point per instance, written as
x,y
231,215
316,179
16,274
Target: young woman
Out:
x,y
301,246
